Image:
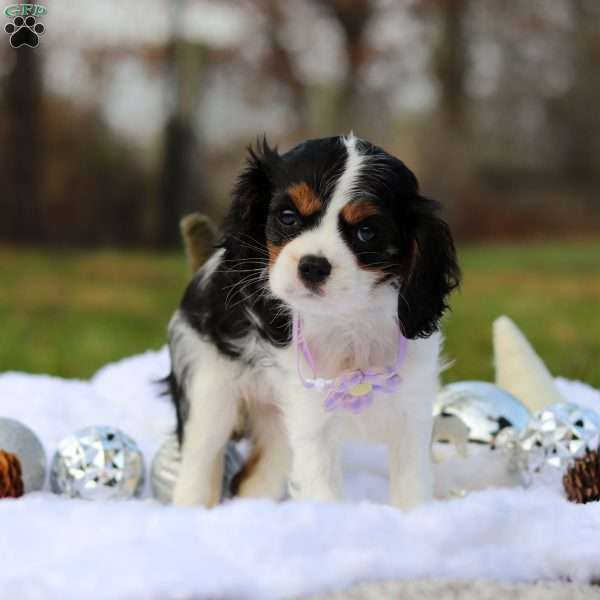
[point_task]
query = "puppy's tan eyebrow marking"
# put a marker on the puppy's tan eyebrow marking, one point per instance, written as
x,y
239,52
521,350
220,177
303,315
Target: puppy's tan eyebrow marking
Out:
x,y
357,210
306,201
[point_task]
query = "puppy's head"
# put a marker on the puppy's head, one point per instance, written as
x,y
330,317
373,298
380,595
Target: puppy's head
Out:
x,y
342,228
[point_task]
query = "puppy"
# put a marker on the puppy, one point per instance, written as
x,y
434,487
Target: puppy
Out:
x,y
331,266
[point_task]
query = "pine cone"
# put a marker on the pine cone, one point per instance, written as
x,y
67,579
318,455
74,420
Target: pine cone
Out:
x,y
582,479
11,482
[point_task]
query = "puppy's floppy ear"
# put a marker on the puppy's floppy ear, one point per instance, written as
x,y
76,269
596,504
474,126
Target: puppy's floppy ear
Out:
x,y
244,228
433,272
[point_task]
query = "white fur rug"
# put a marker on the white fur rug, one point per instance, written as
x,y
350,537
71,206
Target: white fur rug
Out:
x,y
51,547
441,589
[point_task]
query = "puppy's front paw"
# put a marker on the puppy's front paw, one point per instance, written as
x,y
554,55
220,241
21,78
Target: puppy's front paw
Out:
x,y
185,494
319,493
411,493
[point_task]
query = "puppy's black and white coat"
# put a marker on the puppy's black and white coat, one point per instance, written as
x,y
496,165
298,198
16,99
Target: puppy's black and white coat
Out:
x,y
334,230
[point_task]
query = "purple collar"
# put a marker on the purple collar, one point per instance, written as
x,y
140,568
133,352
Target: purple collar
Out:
x,y
352,390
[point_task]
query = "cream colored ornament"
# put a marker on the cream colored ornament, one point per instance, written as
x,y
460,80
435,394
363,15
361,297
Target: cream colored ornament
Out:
x,y
519,370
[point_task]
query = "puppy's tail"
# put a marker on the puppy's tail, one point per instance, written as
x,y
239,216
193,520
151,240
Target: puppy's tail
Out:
x,y
199,236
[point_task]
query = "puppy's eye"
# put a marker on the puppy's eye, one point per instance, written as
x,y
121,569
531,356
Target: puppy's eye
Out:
x,y
289,218
365,233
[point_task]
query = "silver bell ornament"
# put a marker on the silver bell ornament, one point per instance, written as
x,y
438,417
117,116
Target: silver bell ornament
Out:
x,y
554,437
98,463
165,469
20,440
484,408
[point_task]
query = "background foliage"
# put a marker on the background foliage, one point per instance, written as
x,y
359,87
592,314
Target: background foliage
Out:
x,y
115,127
69,313
130,115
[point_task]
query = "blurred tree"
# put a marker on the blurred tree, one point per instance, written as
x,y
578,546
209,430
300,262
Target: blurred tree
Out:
x,y
183,181
22,163
280,63
450,169
95,189
353,18
581,106
450,67
510,141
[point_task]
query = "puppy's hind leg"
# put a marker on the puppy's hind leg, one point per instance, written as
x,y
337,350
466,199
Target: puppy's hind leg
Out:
x,y
266,472
212,416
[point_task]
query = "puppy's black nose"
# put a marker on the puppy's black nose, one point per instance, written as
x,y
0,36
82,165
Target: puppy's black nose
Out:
x,y
313,270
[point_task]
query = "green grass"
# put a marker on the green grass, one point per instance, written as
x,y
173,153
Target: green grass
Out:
x,y
69,313
551,291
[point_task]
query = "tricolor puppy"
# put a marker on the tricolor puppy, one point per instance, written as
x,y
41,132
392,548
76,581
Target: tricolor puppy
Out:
x,y
317,319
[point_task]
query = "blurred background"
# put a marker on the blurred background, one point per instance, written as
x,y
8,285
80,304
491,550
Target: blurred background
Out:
x,y
129,115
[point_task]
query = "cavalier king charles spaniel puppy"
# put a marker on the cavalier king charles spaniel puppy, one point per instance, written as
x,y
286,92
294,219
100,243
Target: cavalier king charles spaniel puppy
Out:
x,y
317,320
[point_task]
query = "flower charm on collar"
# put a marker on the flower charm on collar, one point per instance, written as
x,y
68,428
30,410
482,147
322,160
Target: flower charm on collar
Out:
x,y
352,390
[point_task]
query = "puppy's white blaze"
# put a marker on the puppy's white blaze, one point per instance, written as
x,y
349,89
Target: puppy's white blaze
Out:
x,y
348,287
345,184
327,231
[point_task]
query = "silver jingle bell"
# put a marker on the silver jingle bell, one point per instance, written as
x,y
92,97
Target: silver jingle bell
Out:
x,y
554,437
484,408
22,441
98,463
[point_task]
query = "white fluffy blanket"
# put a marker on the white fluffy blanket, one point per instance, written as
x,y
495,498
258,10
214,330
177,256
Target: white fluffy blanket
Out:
x,y
51,547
